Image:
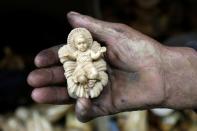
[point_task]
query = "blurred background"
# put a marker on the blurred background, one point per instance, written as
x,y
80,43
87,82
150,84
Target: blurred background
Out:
x,y
28,26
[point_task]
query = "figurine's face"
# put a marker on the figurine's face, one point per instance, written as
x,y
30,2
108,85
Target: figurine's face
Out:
x,y
81,43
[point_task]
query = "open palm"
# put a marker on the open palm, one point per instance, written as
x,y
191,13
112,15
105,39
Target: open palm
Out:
x,y
134,68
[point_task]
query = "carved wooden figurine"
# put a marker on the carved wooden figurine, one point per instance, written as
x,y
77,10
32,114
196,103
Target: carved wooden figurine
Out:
x,y
82,59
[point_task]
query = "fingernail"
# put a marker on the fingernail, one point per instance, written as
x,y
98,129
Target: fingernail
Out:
x,y
38,61
35,95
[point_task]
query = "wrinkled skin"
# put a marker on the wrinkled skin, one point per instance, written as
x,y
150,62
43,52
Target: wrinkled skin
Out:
x,y
136,74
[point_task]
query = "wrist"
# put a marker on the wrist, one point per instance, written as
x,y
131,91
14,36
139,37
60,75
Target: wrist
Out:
x,y
180,73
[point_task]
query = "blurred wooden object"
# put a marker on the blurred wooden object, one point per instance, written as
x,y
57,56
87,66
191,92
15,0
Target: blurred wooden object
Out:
x,y
11,61
133,121
72,124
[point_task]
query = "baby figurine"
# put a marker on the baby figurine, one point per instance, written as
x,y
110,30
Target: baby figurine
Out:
x,y
84,65
84,57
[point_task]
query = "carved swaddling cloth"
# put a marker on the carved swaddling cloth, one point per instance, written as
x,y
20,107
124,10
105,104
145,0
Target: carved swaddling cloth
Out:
x,y
85,68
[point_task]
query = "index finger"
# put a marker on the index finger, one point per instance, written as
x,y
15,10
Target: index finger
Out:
x,y
47,57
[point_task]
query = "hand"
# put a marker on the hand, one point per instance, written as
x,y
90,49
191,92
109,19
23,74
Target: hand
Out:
x,y
135,71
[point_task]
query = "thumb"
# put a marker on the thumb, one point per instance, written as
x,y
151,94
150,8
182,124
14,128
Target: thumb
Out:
x,y
103,31
84,110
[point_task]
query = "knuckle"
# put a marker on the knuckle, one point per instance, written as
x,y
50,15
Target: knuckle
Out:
x,y
121,29
50,74
122,26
